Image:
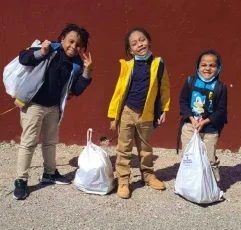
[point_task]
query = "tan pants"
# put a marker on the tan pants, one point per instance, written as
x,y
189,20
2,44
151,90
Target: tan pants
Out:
x,y
131,128
210,140
35,120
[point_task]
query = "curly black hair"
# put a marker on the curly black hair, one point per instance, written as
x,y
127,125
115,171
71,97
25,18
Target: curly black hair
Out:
x,y
127,42
84,34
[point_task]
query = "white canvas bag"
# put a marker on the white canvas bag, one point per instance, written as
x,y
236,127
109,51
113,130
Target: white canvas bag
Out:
x,y
14,73
195,180
95,174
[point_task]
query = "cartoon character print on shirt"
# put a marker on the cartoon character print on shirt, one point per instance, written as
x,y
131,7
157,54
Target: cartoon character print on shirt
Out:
x,y
197,103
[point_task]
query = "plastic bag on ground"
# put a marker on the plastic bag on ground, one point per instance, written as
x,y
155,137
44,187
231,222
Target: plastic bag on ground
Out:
x,y
195,180
95,174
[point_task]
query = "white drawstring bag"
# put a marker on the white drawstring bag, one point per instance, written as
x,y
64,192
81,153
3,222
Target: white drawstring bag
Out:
x,y
14,73
195,180
95,174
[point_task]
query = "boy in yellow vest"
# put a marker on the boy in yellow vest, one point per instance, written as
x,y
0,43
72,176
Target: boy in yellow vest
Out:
x,y
142,89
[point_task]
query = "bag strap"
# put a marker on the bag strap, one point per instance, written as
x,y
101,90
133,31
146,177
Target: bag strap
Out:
x,y
191,84
89,135
217,92
160,73
157,107
55,45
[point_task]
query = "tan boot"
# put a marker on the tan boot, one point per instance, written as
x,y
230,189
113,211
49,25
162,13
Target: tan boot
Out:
x,y
123,191
154,183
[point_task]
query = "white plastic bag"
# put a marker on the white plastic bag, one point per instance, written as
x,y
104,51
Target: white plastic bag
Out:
x,y
195,179
14,73
95,174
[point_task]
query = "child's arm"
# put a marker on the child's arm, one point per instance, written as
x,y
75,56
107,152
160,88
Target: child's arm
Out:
x,y
185,108
80,84
113,106
30,57
112,110
33,56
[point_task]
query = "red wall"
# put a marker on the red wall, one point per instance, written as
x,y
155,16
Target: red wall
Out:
x,y
180,30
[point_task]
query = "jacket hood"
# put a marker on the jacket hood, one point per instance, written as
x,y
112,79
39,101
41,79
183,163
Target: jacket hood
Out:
x,y
219,62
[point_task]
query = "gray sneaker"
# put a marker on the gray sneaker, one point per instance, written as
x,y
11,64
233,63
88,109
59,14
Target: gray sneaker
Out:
x,y
56,178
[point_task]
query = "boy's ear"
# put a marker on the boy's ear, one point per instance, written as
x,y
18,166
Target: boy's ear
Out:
x,y
62,39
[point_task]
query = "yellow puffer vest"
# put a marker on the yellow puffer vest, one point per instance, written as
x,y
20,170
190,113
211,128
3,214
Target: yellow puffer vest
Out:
x,y
122,88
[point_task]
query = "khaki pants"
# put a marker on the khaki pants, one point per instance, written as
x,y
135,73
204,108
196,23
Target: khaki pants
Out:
x,y
35,120
131,128
210,140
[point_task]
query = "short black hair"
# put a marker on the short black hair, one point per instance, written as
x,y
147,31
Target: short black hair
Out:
x,y
84,34
128,34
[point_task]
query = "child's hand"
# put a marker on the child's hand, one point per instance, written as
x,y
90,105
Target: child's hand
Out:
x,y
45,47
201,123
87,62
162,119
199,126
194,122
113,125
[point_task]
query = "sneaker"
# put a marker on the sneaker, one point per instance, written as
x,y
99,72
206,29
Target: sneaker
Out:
x,y
123,191
21,189
56,178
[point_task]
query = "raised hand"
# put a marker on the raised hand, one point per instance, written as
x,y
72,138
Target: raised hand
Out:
x,y
87,62
45,47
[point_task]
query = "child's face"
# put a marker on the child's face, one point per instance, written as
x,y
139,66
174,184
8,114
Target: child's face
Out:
x,y
139,44
208,66
71,44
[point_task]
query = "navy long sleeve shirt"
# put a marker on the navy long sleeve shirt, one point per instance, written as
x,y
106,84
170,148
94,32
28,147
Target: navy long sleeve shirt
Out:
x,y
139,85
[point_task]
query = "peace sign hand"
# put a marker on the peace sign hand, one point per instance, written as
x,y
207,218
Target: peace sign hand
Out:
x,y
87,62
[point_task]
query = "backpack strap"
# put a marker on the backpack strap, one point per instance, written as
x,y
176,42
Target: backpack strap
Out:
x,y
217,92
160,73
157,107
191,83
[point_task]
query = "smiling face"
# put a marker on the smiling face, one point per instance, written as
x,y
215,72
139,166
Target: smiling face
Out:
x,y
208,66
139,44
72,44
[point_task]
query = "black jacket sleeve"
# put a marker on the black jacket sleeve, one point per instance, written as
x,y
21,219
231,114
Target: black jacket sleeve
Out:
x,y
219,116
185,108
79,85
30,57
